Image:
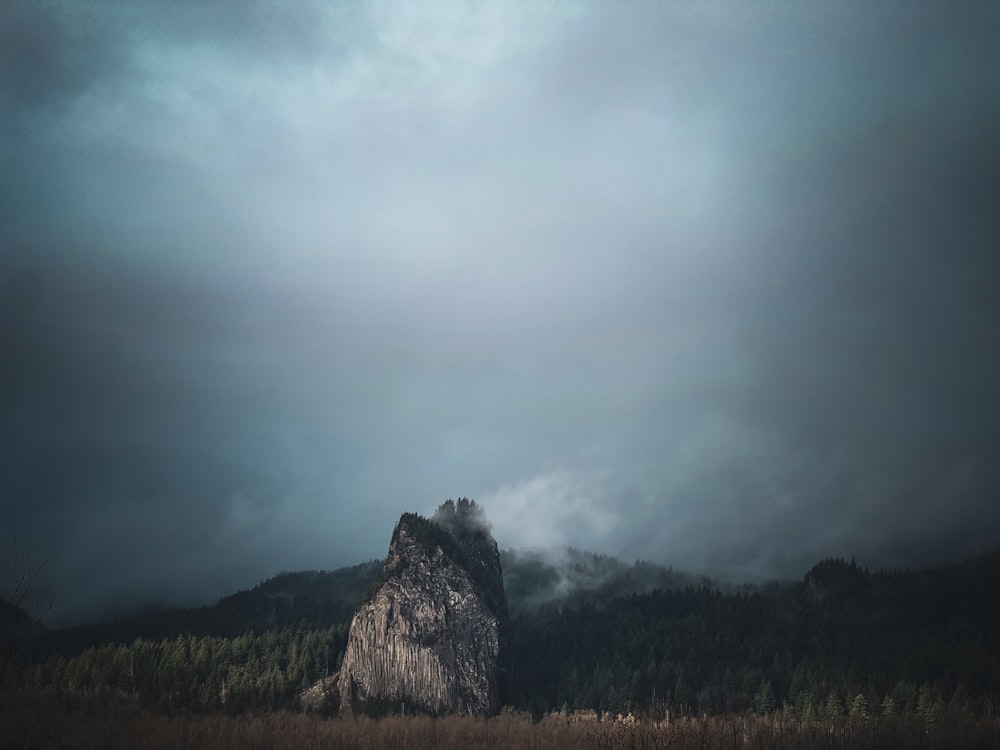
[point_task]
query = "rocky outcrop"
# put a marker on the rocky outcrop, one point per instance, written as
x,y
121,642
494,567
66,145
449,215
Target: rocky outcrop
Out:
x,y
430,636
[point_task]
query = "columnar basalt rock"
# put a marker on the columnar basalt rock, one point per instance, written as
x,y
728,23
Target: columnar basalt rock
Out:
x,y
430,636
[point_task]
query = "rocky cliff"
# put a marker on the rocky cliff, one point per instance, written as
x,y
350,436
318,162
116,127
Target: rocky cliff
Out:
x,y
430,636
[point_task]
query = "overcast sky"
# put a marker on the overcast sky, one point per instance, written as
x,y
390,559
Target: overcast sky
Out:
x,y
709,284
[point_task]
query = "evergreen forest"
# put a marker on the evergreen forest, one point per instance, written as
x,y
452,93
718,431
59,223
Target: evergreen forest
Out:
x,y
640,640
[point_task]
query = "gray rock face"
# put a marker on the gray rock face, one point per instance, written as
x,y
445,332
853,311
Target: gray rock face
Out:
x,y
430,636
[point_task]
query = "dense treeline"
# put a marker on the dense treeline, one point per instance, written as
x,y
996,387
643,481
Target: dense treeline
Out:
x,y
188,673
844,642
697,651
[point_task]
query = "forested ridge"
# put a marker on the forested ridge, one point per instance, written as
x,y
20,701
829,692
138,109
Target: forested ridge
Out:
x,y
843,641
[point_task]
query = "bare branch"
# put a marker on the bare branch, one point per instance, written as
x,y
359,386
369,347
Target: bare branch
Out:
x,y
22,594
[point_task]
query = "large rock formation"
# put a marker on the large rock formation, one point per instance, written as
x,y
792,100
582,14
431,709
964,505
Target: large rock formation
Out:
x,y
430,636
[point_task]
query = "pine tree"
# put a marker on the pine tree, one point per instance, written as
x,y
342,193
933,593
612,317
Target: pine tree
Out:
x,y
929,704
859,707
888,706
833,707
764,699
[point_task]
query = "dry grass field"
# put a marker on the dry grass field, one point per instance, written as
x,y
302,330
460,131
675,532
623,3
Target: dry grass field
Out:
x,y
32,722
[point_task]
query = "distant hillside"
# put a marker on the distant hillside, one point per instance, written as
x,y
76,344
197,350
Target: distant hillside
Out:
x,y
307,599
942,595
17,622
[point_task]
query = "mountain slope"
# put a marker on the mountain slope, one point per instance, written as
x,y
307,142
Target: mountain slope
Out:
x,y
307,599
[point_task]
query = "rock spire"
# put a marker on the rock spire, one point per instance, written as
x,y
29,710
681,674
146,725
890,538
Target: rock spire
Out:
x,y
429,638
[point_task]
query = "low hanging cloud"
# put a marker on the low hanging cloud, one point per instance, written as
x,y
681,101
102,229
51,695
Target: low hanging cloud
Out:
x,y
556,508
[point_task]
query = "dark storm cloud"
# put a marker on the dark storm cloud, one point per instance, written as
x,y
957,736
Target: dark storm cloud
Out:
x,y
46,57
709,285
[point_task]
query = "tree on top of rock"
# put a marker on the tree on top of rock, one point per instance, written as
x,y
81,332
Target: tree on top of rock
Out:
x,y
463,515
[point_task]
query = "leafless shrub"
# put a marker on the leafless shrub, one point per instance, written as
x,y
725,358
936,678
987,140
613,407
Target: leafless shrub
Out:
x,y
25,609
